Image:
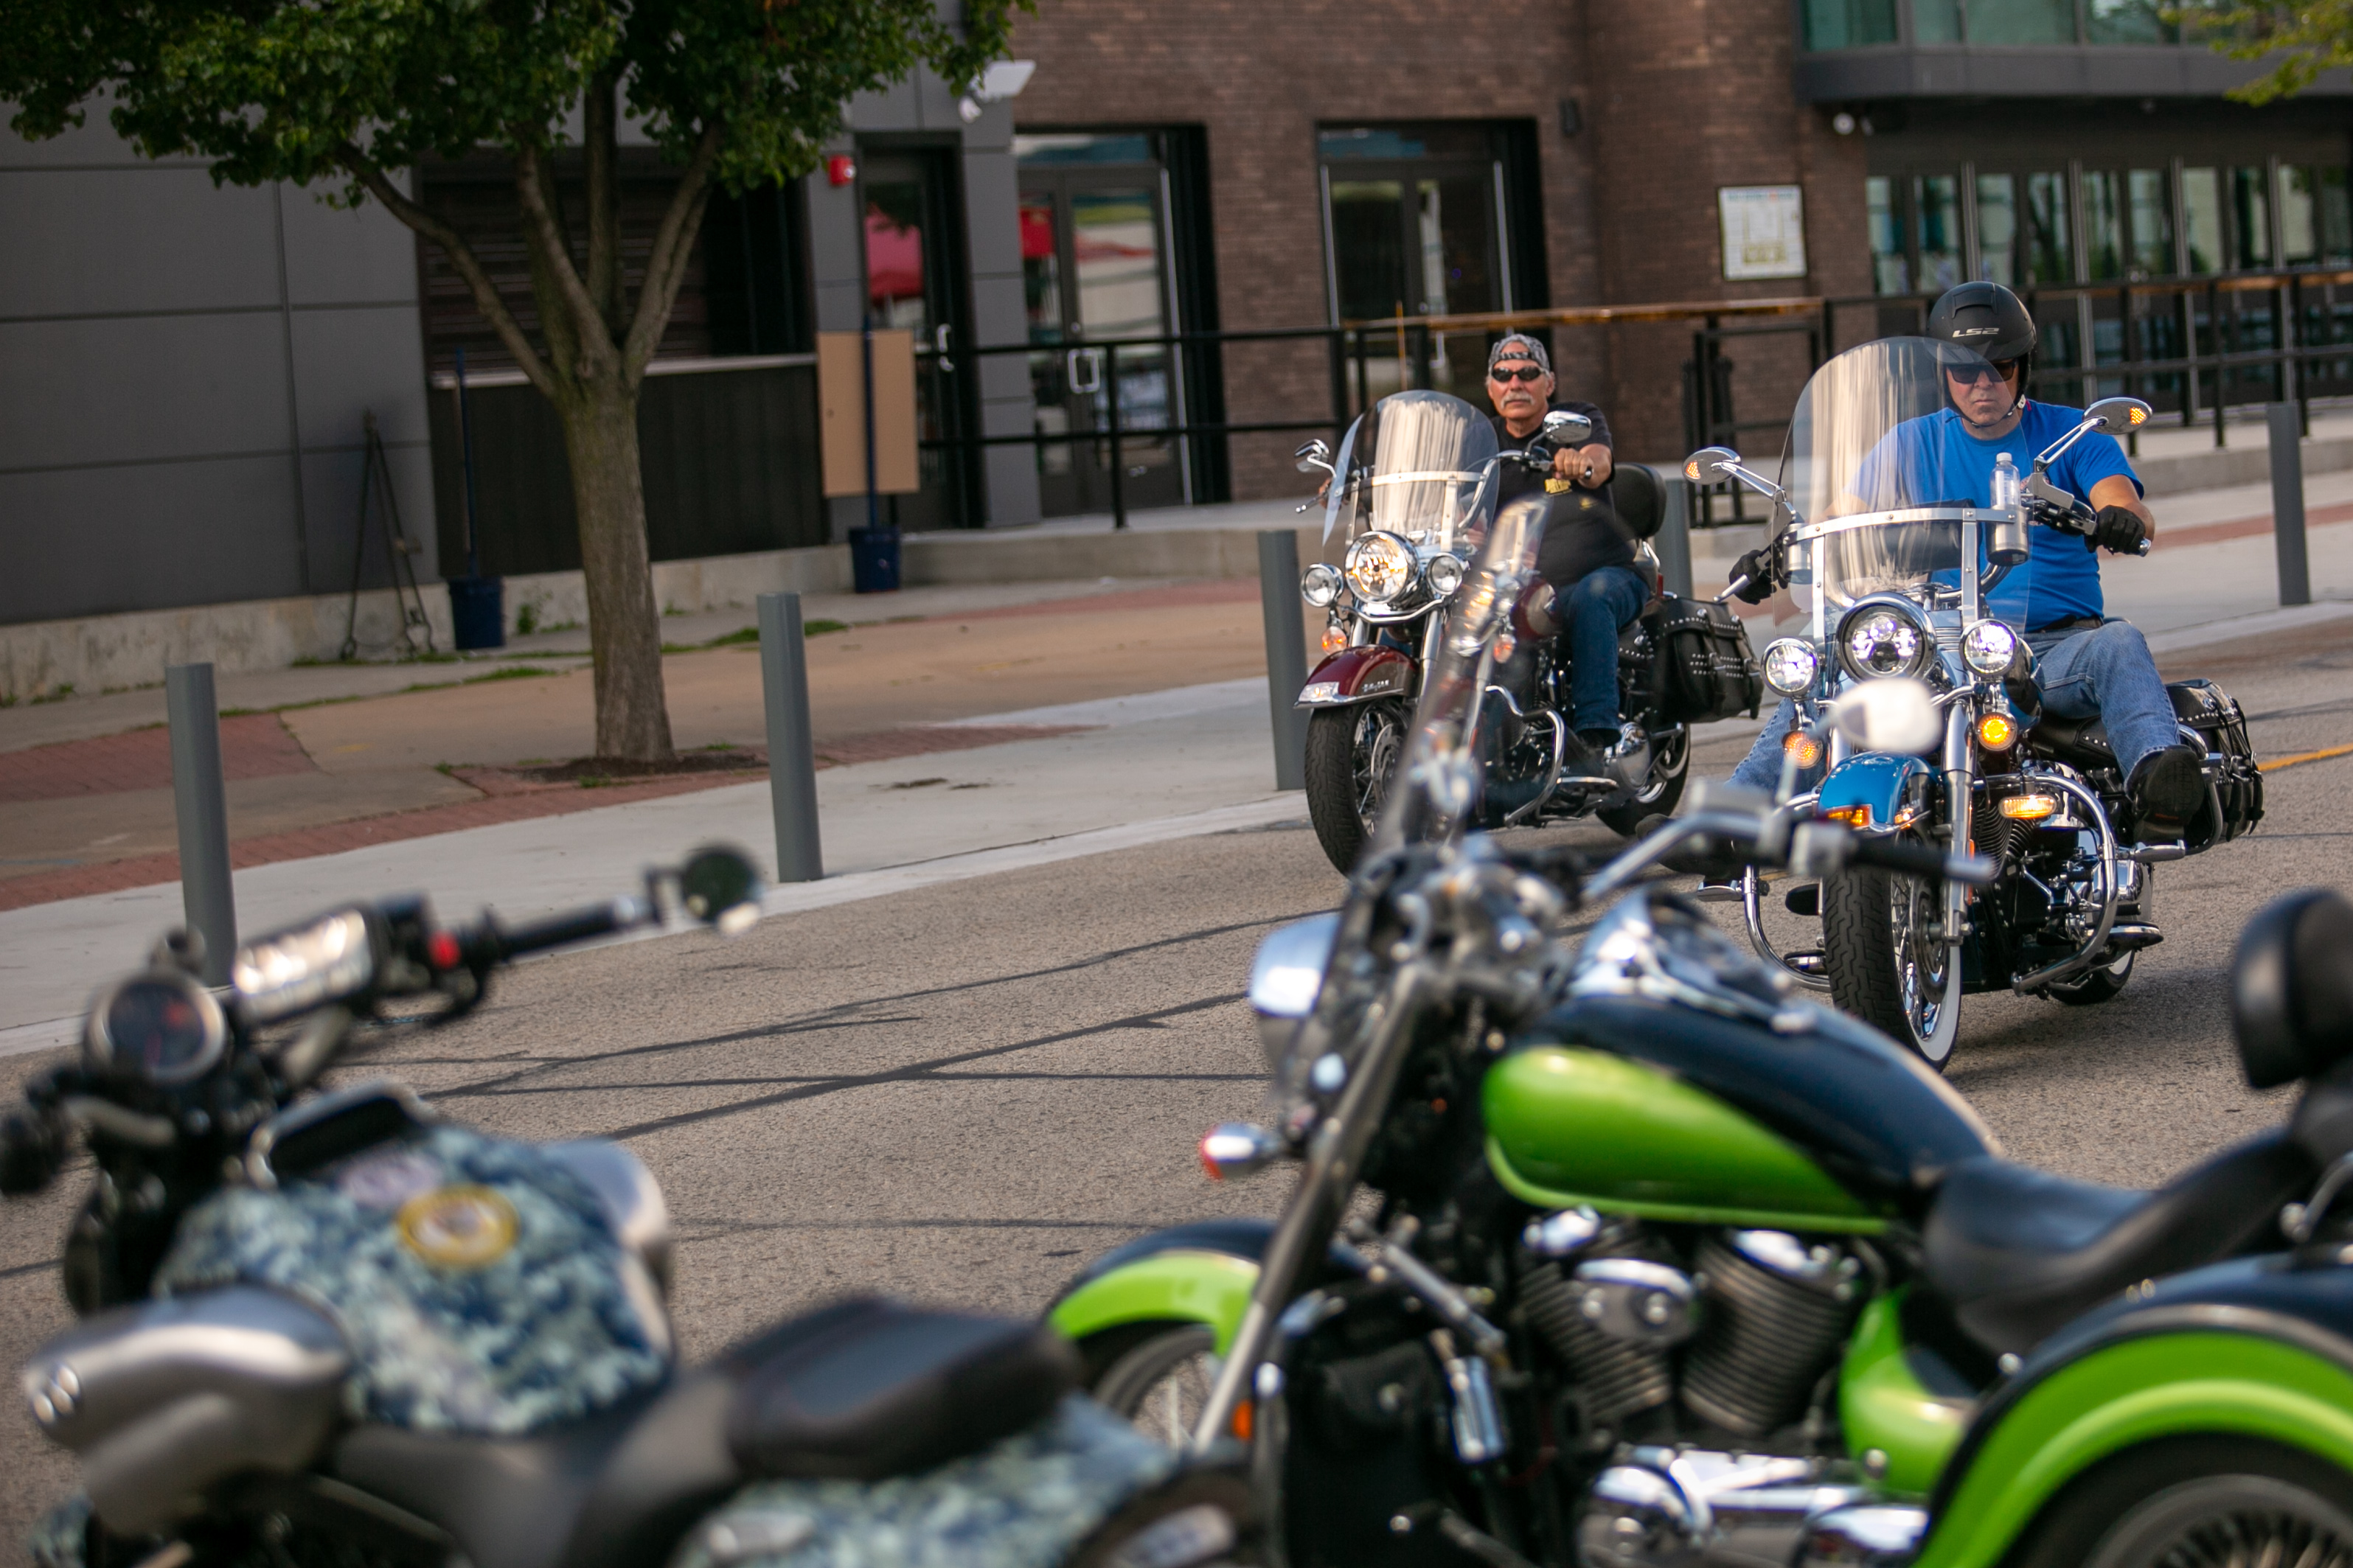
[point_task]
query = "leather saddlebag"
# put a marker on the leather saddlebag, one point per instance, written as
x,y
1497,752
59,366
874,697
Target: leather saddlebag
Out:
x,y
1704,670
2213,713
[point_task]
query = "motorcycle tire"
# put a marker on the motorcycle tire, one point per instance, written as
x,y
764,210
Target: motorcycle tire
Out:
x,y
2196,1499
1352,755
2095,987
1161,1383
1662,789
1882,971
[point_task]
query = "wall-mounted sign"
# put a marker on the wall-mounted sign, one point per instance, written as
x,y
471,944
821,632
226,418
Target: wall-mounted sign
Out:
x,y
1764,231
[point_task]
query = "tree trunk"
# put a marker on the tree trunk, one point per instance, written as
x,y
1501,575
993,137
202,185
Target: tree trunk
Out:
x,y
600,437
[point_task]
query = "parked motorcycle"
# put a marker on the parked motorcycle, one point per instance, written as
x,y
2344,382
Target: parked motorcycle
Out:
x,y
1896,583
338,1331
1411,492
1628,1254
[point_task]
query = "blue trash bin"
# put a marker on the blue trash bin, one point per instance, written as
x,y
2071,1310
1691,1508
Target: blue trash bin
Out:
x,y
875,560
478,612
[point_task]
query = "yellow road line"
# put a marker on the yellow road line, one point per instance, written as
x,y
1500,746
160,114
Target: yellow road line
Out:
x,y
2276,763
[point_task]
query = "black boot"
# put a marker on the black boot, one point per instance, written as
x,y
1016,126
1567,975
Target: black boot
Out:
x,y
2166,788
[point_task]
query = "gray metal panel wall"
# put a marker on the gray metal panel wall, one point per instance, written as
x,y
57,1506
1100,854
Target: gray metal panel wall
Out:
x,y
183,372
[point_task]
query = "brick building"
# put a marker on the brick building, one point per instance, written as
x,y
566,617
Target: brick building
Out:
x,y
1171,167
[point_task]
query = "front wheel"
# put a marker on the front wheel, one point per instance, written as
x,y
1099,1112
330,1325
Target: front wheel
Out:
x,y
1161,1384
1352,756
1887,965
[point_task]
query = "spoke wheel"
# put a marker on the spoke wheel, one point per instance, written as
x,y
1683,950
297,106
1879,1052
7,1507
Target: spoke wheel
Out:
x,y
2095,986
1662,788
2198,1502
1885,968
1352,756
1162,1384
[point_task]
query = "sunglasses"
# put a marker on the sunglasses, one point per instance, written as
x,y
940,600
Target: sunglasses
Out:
x,y
1970,375
1505,374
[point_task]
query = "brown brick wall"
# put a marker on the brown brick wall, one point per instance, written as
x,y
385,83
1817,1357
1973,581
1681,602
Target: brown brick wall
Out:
x,y
1678,97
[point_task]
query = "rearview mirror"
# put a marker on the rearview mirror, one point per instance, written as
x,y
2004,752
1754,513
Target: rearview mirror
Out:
x,y
1314,456
1711,465
718,887
2118,416
1896,715
1563,428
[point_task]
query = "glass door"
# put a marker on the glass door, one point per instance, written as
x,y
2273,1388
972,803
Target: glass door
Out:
x,y
1095,267
915,283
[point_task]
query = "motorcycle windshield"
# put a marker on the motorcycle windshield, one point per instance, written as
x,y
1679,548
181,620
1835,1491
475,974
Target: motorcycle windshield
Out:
x,y
1875,438
1418,464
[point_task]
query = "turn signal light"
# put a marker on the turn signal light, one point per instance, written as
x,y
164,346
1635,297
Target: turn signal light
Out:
x,y
1996,731
1807,750
1237,1148
2028,808
1853,816
1334,639
1245,1420
1506,644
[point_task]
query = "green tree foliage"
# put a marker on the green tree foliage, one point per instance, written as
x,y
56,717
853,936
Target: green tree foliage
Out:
x,y
2301,40
344,94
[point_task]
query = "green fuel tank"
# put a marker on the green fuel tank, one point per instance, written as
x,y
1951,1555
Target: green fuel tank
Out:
x,y
1643,1108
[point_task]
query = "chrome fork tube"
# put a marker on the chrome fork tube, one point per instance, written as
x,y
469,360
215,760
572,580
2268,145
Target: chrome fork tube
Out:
x,y
1961,806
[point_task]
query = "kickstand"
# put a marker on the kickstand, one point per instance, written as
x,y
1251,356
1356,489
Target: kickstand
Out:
x,y
408,600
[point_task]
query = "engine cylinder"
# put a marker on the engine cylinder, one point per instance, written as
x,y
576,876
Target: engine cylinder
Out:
x,y
1615,1378
1777,1312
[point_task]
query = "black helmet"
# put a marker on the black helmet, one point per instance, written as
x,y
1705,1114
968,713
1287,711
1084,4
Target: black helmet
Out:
x,y
1985,317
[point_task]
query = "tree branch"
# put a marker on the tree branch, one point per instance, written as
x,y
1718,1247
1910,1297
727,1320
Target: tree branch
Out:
x,y
674,243
548,243
461,256
604,203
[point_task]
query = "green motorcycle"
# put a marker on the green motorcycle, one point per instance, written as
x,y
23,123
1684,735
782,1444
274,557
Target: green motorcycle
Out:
x,y
1626,1253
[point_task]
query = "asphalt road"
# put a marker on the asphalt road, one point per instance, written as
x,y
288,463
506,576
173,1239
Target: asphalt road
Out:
x,y
960,1093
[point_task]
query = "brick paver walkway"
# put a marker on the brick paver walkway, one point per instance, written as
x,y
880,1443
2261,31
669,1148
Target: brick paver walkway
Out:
x,y
253,746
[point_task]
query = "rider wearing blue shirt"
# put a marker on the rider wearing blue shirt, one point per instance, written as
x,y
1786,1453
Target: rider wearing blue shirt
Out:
x,y
2086,664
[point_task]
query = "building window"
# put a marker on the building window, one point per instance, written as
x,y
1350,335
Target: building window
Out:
x,y
2299,236
2151,214
2250,220
2128,22
2020,21
2201,219
1998,229
751,252
1936,199
2050,257
2104,225
1849,24
1891,272
1936,21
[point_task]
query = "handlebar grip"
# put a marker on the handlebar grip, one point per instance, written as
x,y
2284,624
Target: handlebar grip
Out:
x,y
1900,855
562,931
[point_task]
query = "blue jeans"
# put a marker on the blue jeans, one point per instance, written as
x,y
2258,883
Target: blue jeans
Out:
x,y
2104,672
1592,612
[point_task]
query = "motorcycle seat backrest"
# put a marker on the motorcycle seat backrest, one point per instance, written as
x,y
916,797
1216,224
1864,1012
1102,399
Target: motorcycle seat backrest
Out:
x,y
863,1389
2292,1002
1639,498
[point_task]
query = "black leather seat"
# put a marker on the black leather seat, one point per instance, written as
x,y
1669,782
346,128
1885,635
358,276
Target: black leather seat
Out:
x,y
863,1389
2017,1252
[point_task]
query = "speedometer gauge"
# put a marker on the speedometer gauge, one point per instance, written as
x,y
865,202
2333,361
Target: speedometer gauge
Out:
x,y
160,1028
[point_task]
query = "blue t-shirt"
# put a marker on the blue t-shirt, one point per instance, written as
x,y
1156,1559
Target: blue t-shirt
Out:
x,y
1942,461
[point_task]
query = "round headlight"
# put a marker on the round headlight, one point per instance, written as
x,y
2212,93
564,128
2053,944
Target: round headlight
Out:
x,y
1989,647
1444,574
1379,566
1319,585
1880,640
1790,664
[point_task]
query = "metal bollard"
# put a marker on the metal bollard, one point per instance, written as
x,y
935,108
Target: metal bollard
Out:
x,y
792,763
2287,421
1673,541
1286,653
200,802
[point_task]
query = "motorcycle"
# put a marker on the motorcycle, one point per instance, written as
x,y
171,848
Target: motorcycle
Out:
x,y
1411,492
332,1329
1630,1254
1895,579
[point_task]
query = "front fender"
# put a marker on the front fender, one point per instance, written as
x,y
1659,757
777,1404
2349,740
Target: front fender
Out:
x,y
1359,675
1874,782
1201,1273
2226,1371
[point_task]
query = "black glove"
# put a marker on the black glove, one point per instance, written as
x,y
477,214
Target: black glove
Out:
x,y
2119,529
1758,567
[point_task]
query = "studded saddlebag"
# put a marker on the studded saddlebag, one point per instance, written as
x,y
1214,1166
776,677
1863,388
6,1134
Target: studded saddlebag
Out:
x,y
1705,669
2213,713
